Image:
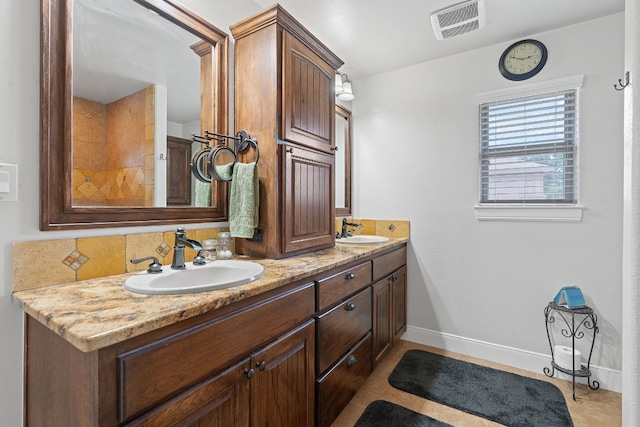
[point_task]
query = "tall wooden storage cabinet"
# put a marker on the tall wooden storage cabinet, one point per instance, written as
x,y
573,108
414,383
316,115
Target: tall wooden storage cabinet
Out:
x,y
284,96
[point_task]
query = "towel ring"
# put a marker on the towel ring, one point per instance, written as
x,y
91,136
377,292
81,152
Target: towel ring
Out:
x,y
212,157
198,163
243,141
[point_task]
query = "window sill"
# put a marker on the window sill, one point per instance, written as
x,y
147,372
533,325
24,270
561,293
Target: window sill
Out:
x,y
528,213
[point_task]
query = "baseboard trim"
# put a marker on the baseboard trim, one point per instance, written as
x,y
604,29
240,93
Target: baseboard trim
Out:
x,y
609,379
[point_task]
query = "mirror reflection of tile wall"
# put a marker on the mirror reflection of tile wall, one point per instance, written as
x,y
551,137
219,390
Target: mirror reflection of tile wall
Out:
x,y
113,148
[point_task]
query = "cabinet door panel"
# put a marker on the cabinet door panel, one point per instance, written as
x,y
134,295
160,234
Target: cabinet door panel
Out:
x,y
218,402
308,102
178,172
381,319
282,390
308,200
399,298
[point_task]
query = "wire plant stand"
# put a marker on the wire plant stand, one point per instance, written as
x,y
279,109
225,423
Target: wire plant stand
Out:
x,y
587,321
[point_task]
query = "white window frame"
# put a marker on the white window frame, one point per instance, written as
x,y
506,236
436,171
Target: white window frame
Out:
x,y
527,211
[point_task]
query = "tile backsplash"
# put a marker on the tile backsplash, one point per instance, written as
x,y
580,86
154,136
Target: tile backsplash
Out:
x,y
43,263
51,262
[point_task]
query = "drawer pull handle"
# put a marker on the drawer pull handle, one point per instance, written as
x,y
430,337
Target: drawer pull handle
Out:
x,y
350,276
351,360
249,372
261,366
350,307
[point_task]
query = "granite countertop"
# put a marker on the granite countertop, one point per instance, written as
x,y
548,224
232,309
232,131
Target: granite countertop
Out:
x,y
97,313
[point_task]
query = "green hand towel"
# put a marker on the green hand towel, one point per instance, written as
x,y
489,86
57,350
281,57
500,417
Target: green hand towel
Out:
x,y
203,193
225,171
244,200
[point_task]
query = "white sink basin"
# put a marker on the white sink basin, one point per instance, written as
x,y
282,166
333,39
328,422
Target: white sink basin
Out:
x,y
214,275
363,239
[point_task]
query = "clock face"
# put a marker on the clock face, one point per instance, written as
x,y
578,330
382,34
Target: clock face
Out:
x,y
523,60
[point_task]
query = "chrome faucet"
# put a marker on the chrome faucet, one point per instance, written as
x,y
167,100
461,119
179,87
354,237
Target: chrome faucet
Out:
x,y
345,232
178,250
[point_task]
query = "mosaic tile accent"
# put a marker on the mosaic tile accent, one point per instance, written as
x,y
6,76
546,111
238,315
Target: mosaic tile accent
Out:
x,y
75,260
163,249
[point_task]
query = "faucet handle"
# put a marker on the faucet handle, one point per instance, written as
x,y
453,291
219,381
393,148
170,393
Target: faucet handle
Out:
x,y
199,259
154,267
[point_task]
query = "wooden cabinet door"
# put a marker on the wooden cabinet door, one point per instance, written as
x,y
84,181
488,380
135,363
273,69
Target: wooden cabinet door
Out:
x,y
178,171
382,336
282,389
220,401
308,199
308,101
399,303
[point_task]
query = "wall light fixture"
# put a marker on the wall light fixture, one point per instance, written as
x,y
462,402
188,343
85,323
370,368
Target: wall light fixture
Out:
x,y
346,93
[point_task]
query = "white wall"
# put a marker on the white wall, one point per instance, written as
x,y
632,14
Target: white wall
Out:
x,y
631,227
416,145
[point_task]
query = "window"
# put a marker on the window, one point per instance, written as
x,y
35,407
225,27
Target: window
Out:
x,y
528,149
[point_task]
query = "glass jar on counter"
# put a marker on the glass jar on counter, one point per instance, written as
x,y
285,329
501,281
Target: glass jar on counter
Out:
x,y
209,249
224,238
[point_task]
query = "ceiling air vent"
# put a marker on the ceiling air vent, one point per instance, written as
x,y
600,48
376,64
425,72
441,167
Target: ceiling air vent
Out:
x,y
458,19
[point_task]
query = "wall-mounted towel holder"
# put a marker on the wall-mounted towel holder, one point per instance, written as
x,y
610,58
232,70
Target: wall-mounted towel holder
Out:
x,y
204,162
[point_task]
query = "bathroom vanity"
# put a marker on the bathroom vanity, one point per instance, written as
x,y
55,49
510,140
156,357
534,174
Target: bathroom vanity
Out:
x,y
291,348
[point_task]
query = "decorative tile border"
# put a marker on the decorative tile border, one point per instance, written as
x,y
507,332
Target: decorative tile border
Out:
x,y
51,262
44,263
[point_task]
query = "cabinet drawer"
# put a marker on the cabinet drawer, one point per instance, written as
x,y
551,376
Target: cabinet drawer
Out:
x,y
336,388
153,373
340,285
341,327
387,263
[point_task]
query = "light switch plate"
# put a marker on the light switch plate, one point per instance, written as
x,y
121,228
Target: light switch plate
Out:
x,y
8,182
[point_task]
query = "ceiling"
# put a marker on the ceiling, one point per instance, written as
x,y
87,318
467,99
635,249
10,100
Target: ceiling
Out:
x,y
375,36
371,37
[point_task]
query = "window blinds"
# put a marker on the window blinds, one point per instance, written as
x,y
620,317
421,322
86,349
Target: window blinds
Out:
x,y
528,149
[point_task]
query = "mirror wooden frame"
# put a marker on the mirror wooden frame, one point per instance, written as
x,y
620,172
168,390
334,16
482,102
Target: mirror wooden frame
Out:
x,y
56,209
346,210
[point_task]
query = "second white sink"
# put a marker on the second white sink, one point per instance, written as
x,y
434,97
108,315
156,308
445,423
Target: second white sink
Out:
x,y
214,275
362,239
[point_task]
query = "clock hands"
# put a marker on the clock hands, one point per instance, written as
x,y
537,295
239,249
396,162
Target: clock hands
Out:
x,y
521,59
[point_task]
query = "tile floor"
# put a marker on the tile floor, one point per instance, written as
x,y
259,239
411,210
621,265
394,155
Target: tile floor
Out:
x,y
600,408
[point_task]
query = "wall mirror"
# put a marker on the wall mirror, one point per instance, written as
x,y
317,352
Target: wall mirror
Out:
x,y
119,80
343,161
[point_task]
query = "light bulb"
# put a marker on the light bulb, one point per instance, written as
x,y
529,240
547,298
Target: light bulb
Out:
x,y
339,88
347,94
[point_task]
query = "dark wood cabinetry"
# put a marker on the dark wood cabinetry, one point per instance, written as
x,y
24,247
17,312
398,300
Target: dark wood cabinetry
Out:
x,y
343,358
381,319
339,384
284,96
308,197
178,172
389,301
282,389
217,365
221,400
293,356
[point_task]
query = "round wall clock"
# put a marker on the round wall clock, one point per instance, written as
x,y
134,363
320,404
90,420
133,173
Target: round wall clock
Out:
x,y
523,60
